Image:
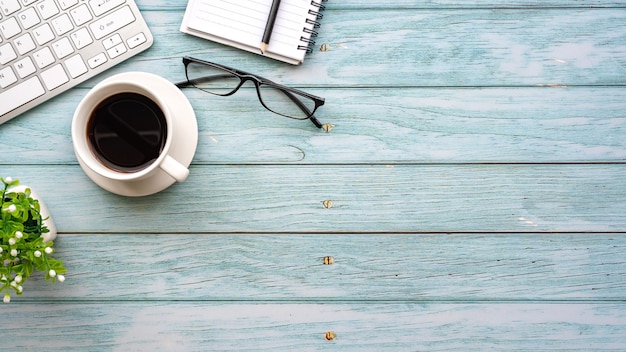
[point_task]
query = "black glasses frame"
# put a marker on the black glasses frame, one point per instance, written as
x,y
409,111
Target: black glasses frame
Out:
x,y
257,81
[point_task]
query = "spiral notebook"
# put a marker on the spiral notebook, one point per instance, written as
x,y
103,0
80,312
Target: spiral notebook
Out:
x,y
241,24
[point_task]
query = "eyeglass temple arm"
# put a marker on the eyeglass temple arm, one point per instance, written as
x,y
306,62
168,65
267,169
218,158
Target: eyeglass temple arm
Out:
x,y
302,107
191,83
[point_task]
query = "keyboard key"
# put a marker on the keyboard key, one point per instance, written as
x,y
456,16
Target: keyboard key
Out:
x,y
47,8
136,40
75,66
7,54
116,51
28,2
97,60
66,4
62,48
112,22
10,28
7,77
62,24
101,6
29,18
112,41
81,15
43,57
54,77
25,67
81,38
9,6
24,44
43,34
20,94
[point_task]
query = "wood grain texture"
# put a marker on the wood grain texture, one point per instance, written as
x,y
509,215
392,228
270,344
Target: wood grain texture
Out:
x,y
405,47
388,268
383,125
471,194
376,198
417,4
400,326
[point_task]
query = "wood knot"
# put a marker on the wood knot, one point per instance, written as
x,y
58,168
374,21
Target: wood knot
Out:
x,y
329,336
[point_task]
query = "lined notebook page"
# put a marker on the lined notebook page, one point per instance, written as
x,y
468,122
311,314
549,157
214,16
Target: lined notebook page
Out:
x,y
244,22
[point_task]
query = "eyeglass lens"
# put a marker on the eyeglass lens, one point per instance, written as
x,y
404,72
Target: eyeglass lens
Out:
x,y
221,82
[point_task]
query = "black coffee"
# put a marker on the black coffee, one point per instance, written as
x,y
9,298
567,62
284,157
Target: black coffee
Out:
x,y
127,132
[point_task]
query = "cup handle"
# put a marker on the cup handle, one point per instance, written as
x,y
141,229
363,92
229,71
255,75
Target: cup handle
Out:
x,y
174,168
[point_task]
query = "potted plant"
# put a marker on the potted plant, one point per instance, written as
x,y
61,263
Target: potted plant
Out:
x,y
26,239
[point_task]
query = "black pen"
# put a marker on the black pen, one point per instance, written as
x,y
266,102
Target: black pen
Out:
x,y
269,26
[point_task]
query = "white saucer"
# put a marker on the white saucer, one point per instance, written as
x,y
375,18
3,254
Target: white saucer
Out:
x,y
184,141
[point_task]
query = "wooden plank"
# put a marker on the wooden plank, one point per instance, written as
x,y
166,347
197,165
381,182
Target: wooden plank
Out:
x,y
407,47
471,4
423,48
237,326
147,5
417,125
377,267
366,198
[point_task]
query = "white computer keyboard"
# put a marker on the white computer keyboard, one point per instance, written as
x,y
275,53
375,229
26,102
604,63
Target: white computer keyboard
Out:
x,y
49,46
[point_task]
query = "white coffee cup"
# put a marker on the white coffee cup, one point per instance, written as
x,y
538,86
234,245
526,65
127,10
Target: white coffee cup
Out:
x,y
177,143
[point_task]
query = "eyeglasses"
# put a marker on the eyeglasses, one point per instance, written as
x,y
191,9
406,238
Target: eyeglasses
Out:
x,y
223,80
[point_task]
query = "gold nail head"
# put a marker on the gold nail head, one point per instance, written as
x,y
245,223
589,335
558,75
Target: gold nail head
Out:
x,y
329,335
325,47
327,127
329,260
327,204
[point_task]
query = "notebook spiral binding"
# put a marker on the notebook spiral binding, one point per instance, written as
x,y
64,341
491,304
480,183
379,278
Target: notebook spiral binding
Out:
x,y
312,33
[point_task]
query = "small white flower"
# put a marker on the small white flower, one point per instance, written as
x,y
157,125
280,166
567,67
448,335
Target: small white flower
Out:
x,y
20,289
3,278
52,273
18,278
11,208
14,252
7,298
12,241
0,250
37,254
19,234
8,180
61,278
48,250
14,284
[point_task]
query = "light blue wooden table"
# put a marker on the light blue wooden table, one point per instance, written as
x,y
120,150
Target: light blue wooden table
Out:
x,y
471,191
